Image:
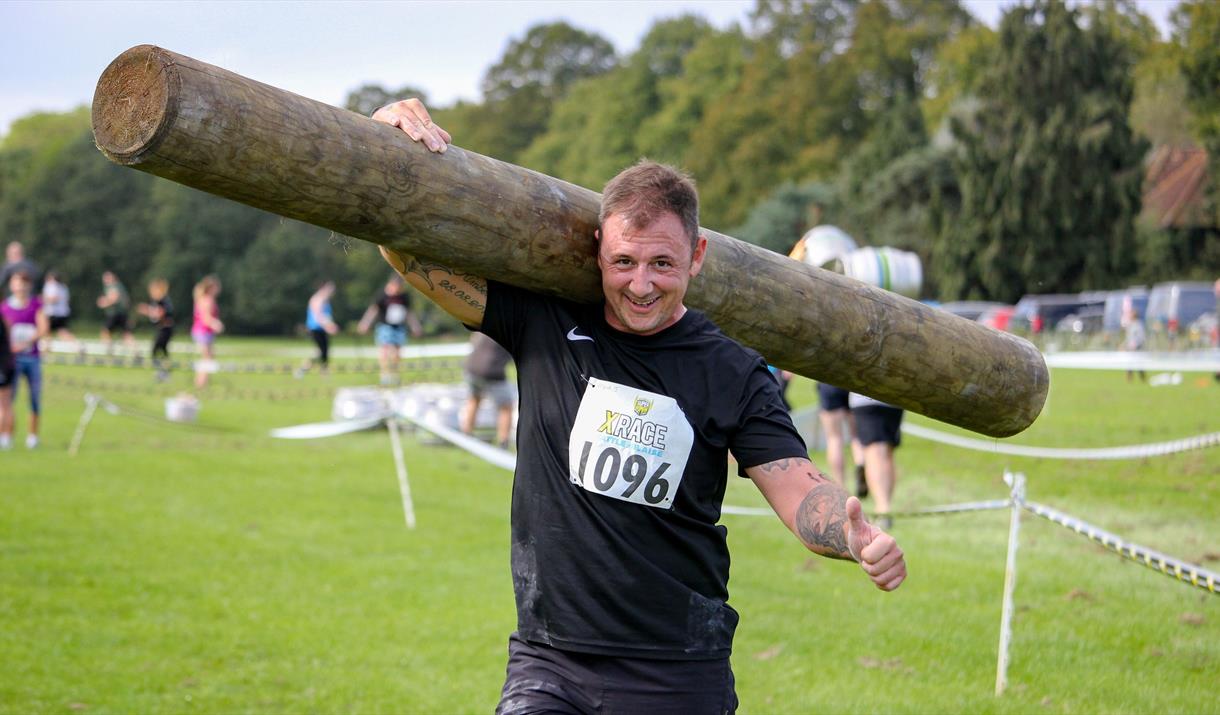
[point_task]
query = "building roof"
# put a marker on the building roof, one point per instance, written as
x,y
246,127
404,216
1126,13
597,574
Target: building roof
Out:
x,y
1176,184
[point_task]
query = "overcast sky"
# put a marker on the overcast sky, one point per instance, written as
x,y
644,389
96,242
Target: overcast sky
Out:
x,y
51,53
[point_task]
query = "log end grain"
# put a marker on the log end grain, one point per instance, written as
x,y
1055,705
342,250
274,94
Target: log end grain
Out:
x,y
134,103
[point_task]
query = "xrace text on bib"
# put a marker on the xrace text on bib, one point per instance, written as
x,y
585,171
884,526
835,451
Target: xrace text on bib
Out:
x,y
629,444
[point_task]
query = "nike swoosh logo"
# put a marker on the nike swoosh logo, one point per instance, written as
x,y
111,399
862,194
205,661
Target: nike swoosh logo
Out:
x,y
574,336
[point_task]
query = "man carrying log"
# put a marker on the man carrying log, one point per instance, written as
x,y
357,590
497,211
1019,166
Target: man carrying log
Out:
x,y
628,410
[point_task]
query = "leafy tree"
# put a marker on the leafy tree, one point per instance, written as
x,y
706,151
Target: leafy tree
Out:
x,y
893,47
1177,254
1125,22
898,131
780,220
1159,108
502,129
550,58
819,74
891,182
593,131
711,69
1050,177
737,152
368,98
70,206
956,73
28,154
1196,27
521,89
282,266
791,26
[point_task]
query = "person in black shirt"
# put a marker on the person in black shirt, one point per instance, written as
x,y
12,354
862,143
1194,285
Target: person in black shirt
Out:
x,y
628,411
391,310
161,312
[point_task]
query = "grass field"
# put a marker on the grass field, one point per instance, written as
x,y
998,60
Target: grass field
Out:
x,y
212,569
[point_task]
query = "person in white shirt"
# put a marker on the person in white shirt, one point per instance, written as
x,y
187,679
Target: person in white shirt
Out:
x,y
57,306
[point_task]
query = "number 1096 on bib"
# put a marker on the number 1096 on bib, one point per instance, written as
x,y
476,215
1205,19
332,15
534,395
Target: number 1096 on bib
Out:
x,y
606,470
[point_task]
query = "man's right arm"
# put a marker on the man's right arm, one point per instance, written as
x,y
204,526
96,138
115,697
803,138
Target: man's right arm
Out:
x,y
457,293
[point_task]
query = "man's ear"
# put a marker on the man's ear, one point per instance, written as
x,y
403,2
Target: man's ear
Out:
x,y
696,260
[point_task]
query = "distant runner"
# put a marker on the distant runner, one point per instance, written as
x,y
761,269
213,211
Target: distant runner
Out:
x,y
115,304
391,310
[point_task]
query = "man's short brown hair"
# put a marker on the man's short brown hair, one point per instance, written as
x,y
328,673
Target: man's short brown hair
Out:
x,y
641,193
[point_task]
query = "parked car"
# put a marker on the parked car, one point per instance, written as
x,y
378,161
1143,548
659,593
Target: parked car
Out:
x,y
969,309
1086,321
1112,320
997,317
1174,306
1205,330
1036,314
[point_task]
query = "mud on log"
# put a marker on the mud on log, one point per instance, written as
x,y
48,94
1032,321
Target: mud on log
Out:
x,y
217,131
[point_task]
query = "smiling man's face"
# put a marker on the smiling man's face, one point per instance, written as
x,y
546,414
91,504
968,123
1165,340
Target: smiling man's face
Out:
x,y
645,272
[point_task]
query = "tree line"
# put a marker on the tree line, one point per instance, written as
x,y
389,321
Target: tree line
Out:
x,y
1010,160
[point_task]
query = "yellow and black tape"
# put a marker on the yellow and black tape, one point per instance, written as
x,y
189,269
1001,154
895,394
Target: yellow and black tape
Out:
x,y
1180,570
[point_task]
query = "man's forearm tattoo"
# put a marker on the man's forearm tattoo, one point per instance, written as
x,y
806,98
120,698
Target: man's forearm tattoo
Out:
x,y
820,521
781,466
474,293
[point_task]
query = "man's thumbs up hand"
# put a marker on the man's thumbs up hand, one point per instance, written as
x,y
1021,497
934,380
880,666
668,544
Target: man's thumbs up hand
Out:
x,y
875,550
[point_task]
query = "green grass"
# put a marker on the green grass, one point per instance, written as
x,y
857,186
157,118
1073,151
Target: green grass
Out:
x,y
212,569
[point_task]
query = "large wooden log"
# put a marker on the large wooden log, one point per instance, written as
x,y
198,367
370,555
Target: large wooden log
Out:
x,y
214,130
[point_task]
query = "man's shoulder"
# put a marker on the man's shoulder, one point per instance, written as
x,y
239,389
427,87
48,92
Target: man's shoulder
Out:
x,y
705,330
526,299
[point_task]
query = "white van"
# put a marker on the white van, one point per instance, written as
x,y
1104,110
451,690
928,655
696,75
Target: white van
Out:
x,y
1173,306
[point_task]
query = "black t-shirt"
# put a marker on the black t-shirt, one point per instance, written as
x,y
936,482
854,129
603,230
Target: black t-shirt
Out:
x,y
392,309
607,416
167,313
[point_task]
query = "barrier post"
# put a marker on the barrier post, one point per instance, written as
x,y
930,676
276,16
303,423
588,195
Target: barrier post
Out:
x,y
91,402
1017,483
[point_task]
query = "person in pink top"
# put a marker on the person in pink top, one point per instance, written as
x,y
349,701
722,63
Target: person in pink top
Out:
x,y
26,325
205,327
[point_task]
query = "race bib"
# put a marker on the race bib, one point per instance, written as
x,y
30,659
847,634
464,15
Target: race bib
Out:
x,y
395,314
23,333
629,444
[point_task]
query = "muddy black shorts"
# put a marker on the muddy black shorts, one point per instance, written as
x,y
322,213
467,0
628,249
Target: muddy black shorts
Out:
x,y
832,398
118,321
878,423
542,679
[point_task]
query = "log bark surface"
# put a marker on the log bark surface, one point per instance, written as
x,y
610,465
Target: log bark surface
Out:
x,y
217,131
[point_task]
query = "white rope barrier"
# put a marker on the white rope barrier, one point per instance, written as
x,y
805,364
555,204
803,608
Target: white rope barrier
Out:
x,y
1207,360
989,505
1137,451
501,458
